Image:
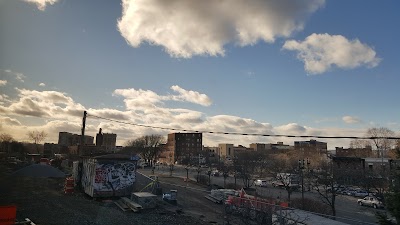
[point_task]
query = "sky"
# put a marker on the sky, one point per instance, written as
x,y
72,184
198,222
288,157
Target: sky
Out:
x,y
305,67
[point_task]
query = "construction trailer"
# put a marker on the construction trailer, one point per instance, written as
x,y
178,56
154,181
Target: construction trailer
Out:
x,y
108,175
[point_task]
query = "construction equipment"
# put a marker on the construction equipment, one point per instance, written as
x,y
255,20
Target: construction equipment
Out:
x,y
153,186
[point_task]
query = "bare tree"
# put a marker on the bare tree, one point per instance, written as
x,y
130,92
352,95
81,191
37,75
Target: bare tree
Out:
x,y
358,143
248,163
381,141
328,184
37,137
147,146
5,141
6,138
286,175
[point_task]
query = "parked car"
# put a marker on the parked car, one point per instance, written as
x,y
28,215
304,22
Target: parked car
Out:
x,y
361,193
336,188
370,201
260,183
350,191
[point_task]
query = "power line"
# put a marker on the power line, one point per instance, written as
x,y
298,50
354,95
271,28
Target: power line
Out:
x,y
243,134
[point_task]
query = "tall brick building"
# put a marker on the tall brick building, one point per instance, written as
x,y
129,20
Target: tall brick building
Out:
x,y
182,147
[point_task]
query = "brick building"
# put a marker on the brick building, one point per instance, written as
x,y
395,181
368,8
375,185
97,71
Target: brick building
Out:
x,y
311,147
182,147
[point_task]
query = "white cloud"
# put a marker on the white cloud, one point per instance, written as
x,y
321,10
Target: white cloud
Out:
x,y
351,119
57,112
3,82
19,76
320,52
191,96
291,129
191,27
42,104
9,121
147,100
41,4
42,84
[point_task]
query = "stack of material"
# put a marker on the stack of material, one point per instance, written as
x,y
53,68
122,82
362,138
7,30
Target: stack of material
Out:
x,y
126,204
145,199
220,195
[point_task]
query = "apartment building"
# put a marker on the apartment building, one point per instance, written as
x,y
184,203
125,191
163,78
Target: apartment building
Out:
x,y
311,147
182,147
68,139
226,151
106,141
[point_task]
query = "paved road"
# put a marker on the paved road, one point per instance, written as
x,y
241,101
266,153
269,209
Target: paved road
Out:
x,y
347,209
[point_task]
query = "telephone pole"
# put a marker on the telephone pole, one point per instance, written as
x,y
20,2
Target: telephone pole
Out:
x,y
80,149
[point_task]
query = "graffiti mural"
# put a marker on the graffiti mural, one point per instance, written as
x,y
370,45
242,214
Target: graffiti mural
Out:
x,y
114,176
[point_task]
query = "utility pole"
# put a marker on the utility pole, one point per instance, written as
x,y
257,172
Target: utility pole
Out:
x,y
80,149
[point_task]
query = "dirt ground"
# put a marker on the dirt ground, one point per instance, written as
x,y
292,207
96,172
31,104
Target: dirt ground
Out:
x,y
43,201
192,201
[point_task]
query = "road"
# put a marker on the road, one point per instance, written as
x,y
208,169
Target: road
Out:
x,y
346,206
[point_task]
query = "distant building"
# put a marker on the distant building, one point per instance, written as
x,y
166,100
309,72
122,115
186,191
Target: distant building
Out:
x,y
226,151
311,147
354,152
212,151
99,138
49,149
69,139
229,151
355,170
259,147
182,146
106,141
279,147
240,148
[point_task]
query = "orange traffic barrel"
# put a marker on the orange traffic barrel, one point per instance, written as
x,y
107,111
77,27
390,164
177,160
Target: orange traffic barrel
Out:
x,y
69,185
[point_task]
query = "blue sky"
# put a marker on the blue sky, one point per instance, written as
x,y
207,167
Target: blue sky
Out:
x,y
312,67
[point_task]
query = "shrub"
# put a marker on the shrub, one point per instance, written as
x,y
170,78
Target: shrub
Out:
x,y
311,205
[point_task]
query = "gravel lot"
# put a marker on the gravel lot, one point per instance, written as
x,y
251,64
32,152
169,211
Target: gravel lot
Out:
x,y
42,200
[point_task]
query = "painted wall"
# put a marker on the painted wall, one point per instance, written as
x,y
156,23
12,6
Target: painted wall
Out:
x,y
111,176
105,178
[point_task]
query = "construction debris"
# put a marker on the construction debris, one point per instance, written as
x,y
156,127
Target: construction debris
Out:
x,y
220,195
131,204
122,205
